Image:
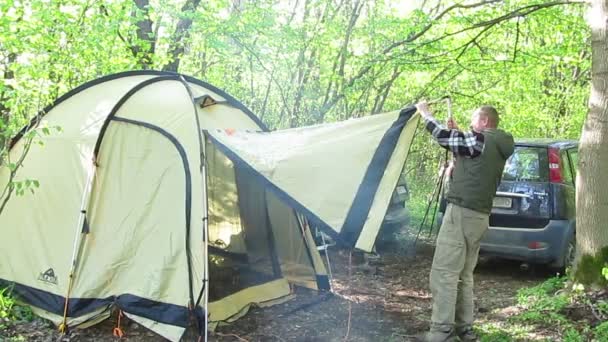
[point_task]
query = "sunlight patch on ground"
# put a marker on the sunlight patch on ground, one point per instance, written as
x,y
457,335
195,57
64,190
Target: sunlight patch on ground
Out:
x,y
496,327
413,294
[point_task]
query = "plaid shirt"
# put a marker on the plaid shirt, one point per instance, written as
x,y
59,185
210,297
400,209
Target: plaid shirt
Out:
x,y
468,144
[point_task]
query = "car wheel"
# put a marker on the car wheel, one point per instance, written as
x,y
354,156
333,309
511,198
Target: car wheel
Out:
x,y
570,253
567,258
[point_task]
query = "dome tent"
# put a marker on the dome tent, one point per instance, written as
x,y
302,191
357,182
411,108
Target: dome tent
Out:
x,y
159,183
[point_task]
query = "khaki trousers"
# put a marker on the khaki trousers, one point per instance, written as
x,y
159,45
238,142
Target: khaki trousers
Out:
x,y
455,259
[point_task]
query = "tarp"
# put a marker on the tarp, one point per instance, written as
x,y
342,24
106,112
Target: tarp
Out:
x,y
341,175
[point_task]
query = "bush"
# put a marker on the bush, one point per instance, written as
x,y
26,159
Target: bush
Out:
x,y
10,311
6,308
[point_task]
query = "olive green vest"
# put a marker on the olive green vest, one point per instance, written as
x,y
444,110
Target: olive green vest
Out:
x,y
474,181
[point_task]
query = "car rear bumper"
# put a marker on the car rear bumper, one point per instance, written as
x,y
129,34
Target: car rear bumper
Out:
x,y
544,245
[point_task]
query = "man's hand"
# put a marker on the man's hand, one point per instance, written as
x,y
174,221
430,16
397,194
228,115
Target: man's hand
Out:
x,y
424,109
452,124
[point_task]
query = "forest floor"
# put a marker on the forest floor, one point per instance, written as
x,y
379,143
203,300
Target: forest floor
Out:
x,y
385,298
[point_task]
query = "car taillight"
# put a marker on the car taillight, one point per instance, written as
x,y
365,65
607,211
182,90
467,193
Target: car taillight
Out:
x,y
537,245
555,173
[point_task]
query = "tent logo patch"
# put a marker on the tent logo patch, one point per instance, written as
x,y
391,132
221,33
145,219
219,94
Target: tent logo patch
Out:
x,y
48,276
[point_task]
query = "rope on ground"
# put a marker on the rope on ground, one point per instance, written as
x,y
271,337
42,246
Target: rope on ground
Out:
x,y
231,335
118,332
350,303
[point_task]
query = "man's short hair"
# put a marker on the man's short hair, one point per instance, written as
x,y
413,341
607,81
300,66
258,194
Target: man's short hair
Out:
x,y
491,113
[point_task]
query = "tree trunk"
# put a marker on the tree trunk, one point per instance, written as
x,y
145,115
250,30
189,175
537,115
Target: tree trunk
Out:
x,y
302,71
143,50
181,34
5,95
591,191
384,91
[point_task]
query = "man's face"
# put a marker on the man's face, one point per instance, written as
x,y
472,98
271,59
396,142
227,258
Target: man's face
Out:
x,y
478,121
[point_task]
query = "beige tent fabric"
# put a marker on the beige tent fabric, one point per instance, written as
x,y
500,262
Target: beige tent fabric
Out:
x,y
225,116
61,162
170,332
139,193
133,247
132,251
139,205
322,167
39,229
387,185
226,308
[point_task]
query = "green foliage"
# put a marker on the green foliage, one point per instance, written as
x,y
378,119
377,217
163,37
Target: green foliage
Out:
x,y
543,304
601,332
10,311
548,287
602,307
6,304
572,335
317,62
547,306
327,63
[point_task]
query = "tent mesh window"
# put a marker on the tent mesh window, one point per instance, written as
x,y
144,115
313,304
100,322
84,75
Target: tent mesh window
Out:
x,y
241,242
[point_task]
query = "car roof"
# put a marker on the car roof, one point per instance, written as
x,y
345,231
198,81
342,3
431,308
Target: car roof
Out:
x,y
556,143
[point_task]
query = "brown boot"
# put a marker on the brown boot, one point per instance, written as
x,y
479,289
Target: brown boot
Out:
x,y
436,336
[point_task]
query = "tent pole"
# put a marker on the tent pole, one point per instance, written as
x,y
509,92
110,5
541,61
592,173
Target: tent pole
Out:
x,y
327,257
203,170
305,226
205,239
78,240
275,262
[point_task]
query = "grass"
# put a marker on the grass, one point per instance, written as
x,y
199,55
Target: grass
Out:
x,y
544,308
496,332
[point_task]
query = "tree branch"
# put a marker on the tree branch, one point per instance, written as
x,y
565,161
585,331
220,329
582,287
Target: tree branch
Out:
x,y
10,186
520,12
517,32
425,29
257,57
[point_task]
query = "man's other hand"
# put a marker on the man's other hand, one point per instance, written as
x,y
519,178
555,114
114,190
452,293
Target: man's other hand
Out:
x,y
452,124
424,108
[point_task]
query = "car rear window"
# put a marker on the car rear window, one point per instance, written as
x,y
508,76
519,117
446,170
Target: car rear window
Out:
x,y
527,164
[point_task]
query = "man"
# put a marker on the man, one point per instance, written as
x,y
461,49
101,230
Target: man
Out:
x,y
480,155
